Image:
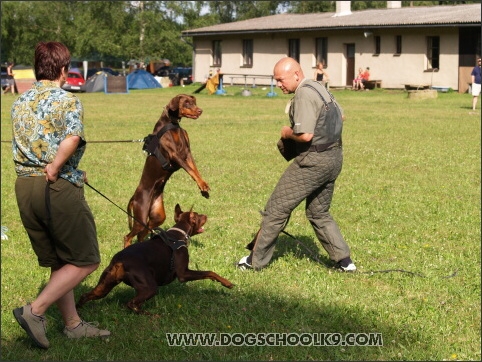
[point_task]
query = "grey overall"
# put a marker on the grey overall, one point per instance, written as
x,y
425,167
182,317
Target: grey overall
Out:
x,y
310,176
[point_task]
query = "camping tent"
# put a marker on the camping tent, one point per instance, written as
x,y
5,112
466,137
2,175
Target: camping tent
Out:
x,y
96,83
140,79
24,77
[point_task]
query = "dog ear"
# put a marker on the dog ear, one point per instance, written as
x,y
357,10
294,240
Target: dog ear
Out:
x,y
177,212
174,104
192,217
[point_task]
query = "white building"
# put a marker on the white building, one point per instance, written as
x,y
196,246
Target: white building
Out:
x,y
435,45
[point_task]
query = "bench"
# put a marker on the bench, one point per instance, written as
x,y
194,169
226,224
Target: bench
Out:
x,y
416,86
371,84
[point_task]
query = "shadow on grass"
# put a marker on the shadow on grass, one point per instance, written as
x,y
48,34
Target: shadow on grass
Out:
x,y
302,247
204,307
184,308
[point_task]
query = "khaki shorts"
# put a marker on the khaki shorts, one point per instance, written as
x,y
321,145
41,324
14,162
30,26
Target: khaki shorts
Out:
x,y
70,236
475,89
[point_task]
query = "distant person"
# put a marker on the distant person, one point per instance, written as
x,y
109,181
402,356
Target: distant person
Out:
x,y
211,83
475,84
10,80
365,77
50,194
321,75
357,80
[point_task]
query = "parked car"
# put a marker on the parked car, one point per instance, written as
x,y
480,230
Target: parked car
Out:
x,y
75,82
162,71
179,73
92,71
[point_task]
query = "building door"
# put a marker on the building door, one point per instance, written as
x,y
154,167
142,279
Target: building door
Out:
x,y
350,64
469,51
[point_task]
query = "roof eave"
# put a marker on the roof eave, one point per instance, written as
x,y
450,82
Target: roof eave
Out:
x,y
242,32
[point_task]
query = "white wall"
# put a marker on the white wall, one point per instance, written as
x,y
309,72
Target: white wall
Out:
x,y
394,71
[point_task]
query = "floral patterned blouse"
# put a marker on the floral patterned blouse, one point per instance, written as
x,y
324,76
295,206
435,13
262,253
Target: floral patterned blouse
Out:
x,y
42,117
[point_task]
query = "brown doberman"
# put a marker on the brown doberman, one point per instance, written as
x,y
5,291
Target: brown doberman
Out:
x,y
168,150
155,262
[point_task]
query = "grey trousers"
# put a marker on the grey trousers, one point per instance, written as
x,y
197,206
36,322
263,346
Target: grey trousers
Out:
x,y
310,176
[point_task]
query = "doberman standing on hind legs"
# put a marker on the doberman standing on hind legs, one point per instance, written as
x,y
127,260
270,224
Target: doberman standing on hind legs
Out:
x,y
169,150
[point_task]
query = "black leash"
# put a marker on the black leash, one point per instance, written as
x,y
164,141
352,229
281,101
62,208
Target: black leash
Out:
x,y
371,272
113,203
107,141
118,141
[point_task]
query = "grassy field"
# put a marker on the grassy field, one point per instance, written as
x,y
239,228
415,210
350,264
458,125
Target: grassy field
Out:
x,y
408,198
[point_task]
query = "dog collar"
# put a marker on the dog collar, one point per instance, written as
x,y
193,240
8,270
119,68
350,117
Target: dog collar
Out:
x,y
186,235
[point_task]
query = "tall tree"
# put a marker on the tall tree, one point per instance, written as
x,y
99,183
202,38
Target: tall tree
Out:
x,y
142,30
229,11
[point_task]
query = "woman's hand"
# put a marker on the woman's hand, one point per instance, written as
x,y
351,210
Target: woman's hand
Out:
x,y
51,173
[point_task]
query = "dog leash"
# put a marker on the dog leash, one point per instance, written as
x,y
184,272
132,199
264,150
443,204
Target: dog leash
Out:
x,y
113,203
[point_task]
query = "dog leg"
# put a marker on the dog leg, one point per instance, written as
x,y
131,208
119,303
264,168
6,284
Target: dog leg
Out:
x,y
139,214
189,275
145,290
110,277
157,213
190,167
184,158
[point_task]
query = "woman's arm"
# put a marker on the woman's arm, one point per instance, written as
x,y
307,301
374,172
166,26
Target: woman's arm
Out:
x,y
66,150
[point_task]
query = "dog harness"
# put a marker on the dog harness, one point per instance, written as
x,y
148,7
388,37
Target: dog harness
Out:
x,y
173,243
151,146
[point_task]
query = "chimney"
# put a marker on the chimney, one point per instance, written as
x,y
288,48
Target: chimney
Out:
x,y
394,4
343,8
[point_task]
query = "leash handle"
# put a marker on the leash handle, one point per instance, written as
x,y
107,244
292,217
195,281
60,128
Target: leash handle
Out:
x,y
47,202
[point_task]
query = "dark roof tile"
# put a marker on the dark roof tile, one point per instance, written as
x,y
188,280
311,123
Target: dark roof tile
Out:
x,y
405,16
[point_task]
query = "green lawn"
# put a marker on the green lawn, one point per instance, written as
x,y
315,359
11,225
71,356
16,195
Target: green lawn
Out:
x,y
408,198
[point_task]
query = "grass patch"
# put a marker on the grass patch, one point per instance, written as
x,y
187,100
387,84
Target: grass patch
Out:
x,y
408,198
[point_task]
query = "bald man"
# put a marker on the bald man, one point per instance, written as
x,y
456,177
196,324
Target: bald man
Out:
x,y
316,126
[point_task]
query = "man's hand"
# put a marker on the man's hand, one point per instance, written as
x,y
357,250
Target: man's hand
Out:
x,y
286,132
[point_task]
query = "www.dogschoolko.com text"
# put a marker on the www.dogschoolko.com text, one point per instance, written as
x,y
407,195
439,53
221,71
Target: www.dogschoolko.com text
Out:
x,y
274,339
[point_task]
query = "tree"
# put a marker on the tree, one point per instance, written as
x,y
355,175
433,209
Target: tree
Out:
x,y
112,31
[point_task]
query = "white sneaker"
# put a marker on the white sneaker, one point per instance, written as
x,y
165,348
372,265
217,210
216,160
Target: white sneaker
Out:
x,y
243,264
350,268
346,265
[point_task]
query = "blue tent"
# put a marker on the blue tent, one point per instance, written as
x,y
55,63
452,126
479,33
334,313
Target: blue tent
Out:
x,y
140,79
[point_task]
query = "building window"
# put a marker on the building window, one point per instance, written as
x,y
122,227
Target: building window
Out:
x,y
248,53
321,51
377,44
398,45
217,53
294,49
433,52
